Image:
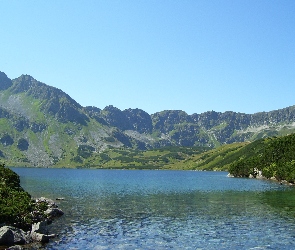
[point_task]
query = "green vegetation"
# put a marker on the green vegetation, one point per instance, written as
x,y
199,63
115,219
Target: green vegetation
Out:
x,y
275,157
161,158
17,208
215,159
16,205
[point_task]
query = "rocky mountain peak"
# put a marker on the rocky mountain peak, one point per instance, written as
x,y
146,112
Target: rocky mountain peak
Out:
x,y
139,120
54,101
5,82
24,83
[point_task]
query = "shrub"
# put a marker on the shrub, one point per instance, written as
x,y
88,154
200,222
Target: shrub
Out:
x,y
15,204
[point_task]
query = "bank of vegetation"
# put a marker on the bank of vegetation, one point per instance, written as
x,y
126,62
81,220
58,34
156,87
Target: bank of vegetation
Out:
x,y
17,208
23,220
274,156
16,204
126,158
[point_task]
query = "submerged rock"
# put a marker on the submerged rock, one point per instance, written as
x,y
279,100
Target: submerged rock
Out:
x,y
60,198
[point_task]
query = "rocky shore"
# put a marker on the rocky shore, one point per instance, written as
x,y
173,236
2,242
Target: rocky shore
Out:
x,y
12,237
259,175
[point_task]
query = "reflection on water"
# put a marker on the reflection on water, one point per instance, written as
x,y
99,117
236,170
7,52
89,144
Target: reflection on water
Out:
x,y
113,209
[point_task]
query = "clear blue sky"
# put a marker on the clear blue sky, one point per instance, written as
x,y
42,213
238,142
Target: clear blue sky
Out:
x,y
186,55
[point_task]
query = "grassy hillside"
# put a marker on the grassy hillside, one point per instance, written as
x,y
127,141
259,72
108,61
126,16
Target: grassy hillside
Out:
x,y
132,159
178,158
215,159
274,156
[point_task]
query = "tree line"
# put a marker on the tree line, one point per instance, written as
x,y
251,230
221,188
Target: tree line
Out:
x,y
275,157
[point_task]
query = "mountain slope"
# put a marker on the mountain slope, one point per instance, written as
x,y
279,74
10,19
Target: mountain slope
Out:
x,y
274,157
42,126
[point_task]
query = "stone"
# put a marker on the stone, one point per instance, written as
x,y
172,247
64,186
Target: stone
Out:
x,y
39,232
54,212
10,236
15,247
60,199
44,238
49,202
40,227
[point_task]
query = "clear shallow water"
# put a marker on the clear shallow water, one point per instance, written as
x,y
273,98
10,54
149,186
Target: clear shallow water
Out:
x,y
121,209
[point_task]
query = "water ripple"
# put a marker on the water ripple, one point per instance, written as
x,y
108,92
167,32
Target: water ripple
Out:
x,y
165,210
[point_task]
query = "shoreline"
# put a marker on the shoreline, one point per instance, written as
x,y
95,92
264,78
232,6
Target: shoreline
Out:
x,y
13,237
261,177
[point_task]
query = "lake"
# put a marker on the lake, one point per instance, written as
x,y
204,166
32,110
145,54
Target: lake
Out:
x,y
130,209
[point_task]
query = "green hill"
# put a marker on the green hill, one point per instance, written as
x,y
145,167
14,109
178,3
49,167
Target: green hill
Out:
x,y
275,157
219,158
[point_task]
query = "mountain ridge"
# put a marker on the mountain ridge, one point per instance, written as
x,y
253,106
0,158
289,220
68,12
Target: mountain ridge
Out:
x,y
43,126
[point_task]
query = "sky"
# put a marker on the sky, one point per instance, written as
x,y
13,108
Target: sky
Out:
x,y
190,55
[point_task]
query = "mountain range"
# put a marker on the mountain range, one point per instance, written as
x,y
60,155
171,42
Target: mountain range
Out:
x,y
41,126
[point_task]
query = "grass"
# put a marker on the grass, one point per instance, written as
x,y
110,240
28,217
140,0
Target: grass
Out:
x,y
215,159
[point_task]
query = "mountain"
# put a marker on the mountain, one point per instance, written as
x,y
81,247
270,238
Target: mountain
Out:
x,y
42,126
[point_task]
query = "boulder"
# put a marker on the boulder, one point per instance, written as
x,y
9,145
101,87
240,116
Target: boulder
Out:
x,y
16,247
11,236
39,232
60,199
44,238
53,212
49,202
40,227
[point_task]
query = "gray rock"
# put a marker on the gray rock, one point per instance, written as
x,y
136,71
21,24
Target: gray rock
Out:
x,y
40,227
39,232
16,247
44,238
54,212
11,236
50,203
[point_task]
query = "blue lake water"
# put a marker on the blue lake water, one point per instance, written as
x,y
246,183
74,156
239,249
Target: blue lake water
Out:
x,y
129,209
